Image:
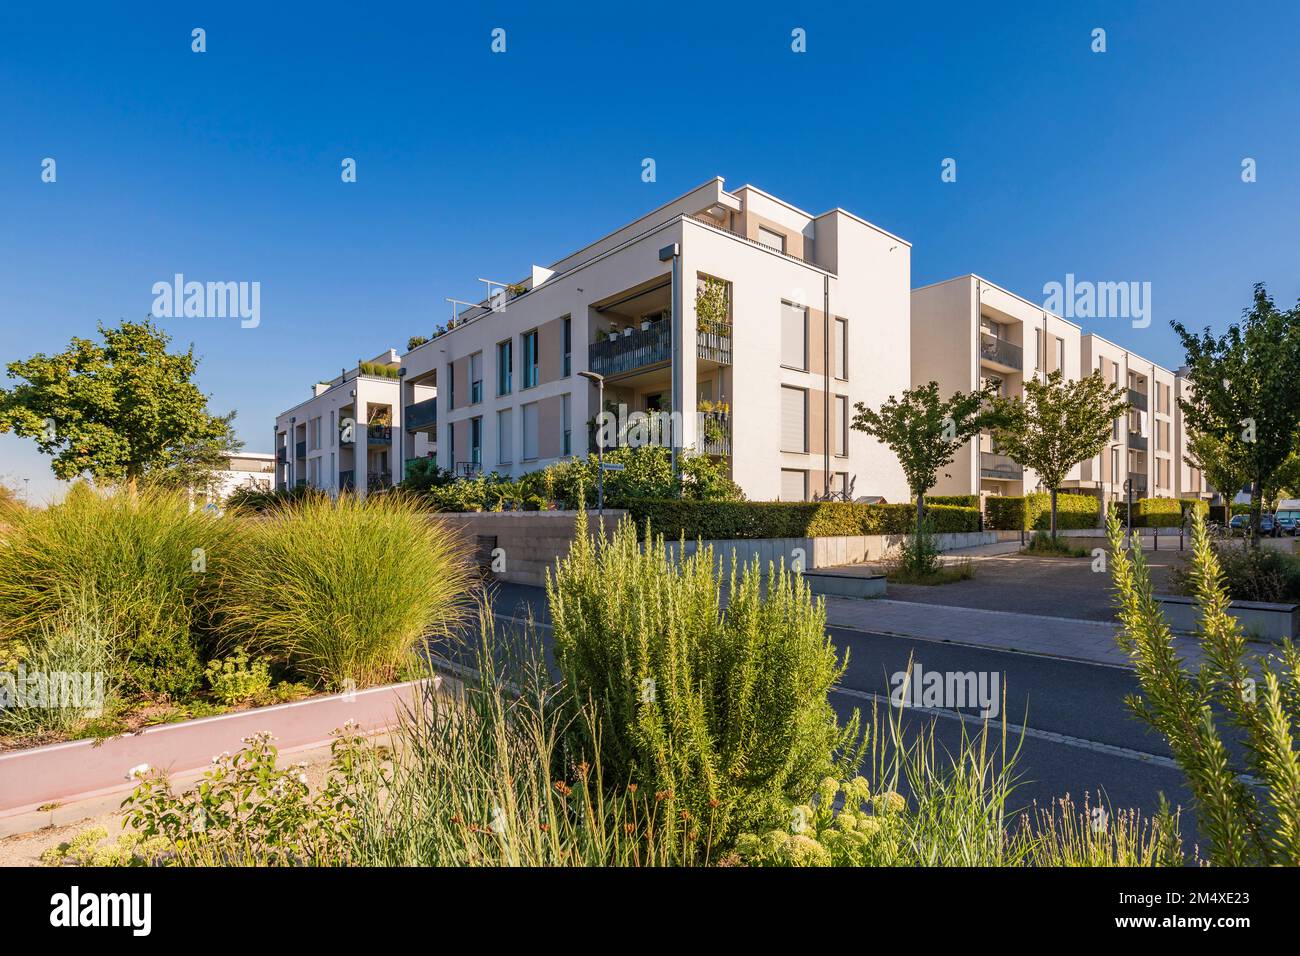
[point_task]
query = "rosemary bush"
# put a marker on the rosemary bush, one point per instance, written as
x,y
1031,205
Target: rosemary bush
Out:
x,y
1245,821
723,711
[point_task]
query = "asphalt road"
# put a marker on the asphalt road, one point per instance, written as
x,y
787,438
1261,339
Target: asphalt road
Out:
x,y
1076,735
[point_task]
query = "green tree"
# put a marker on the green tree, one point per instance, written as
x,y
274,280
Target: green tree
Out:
x,y
121,411
925,431
1057,424
1217,464
1244,391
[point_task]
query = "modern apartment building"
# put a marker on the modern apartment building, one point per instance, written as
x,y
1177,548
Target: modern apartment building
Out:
x,y
814,319
967,331
341,439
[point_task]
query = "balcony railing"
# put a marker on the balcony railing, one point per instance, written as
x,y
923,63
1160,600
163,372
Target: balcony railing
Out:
x,y
347,480
379,434
1137,442
1001,352
993,465
1139,484
715,433
627,353
1137,399
282,454
301,449
467,469
713,343
421,415
378,480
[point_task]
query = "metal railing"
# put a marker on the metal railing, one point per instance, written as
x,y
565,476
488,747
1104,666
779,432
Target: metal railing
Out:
x,y
1136,441
379,434
347,481
378,480
994,349
1137,399
423,414
632,351
1139,483
301,449
993,465
467,469
713,344
715,433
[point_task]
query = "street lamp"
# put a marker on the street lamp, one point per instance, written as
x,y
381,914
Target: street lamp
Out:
x,y
599,381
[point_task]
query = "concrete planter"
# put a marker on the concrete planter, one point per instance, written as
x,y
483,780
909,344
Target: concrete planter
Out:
x,y
80,769
1270,622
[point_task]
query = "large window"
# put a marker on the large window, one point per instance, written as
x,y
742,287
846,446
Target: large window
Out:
x,y
794,485
1060,356
505,367
794,336
566,423
568,345
476,441
842,348
771,238
505,436
841,425
476,378
530,431
451,385
530,358
794,419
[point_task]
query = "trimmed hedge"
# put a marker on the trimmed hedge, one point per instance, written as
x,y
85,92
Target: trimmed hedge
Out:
x,y
1034,512
1161,512
960,501
720,520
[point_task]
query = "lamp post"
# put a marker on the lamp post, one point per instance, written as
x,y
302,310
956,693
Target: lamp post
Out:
x,y
599,380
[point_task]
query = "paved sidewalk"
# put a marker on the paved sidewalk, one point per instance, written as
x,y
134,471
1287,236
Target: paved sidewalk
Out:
x,y
1091,641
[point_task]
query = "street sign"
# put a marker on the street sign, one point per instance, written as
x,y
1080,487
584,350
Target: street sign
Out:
x,y
610,466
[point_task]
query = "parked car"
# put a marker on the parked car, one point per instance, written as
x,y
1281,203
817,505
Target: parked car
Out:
x,y
1268,528
1239,524
1286,524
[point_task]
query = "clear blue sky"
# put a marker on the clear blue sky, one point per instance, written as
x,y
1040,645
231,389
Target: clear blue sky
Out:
x,y
225,165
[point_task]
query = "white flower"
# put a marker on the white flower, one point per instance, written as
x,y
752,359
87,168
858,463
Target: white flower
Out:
x,y
137,771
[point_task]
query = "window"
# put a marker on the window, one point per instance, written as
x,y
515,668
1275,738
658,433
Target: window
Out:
x,y
451,386
334,472
771,238
840,482
451,446
568,347
1038,349
530,358
794,419
842,349
530,431
794,485
1060,355
794,336
505,367
476,378
566,422
333,428
476,440
841,425
505,436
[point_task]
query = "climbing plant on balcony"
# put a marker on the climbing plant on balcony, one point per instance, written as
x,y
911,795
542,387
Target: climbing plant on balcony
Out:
x,y
713,307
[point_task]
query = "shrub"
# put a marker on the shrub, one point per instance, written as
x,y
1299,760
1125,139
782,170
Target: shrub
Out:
x,y
142,563
257,501
1033,512
1246,822
1042,543
724,711
714,521
236,679
959,501
1160,512
1249,574
344,590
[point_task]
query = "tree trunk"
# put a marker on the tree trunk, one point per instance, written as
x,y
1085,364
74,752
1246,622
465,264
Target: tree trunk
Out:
x,y
920,512
1255,502
1053,514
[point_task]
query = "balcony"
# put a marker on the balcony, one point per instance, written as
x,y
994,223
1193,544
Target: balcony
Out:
x,y
379,434
347,481
1137,442
420,415
1000,467
715,433
282,454
713,342
378,480
1137,399
301,449
629,352
1001,352
1139,483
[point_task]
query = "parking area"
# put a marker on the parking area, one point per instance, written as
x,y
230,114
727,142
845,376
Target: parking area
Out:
x,y
1054,587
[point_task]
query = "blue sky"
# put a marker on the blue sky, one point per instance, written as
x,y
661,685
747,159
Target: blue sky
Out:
x,y
1118,166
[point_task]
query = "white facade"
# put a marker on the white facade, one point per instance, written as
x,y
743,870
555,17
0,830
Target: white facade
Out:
x,y
246,469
